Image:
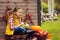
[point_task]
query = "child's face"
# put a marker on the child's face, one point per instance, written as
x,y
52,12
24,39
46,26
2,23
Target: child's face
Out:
x,y
19,12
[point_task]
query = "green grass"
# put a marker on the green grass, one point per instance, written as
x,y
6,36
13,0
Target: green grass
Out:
x,y
53,27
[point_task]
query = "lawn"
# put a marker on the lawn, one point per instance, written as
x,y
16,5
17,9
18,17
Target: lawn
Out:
x,y
52,27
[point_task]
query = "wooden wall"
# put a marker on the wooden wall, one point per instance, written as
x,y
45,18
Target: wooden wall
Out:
x,y
32,5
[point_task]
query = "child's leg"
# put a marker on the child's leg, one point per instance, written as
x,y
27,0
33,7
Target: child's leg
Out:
x,y
19,31
30,33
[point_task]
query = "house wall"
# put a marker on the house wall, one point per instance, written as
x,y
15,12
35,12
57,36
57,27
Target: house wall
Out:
x,y
32,5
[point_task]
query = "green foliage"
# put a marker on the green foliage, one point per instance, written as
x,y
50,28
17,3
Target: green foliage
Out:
x,y
45,7
56,5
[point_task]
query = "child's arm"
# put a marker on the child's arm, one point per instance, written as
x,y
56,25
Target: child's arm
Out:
x,y
12,23
21,24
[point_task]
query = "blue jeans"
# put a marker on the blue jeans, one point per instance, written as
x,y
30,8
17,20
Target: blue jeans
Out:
x,y
19,31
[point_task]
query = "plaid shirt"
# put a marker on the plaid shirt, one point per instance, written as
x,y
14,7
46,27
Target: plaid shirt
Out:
x,y
11,23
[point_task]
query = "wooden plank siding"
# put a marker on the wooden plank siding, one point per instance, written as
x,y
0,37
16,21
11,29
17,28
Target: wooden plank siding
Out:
x,y
32,5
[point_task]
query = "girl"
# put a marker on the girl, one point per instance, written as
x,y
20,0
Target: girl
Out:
x,y
14,24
